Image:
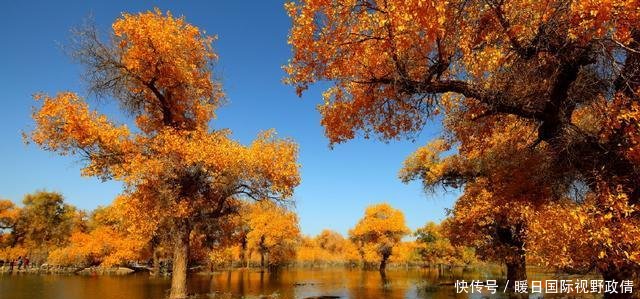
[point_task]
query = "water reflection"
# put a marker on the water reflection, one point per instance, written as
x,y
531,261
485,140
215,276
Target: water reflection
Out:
x,y
287,283
346,283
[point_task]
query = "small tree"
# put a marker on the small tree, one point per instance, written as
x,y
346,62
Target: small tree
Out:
x,y
382,228
273,233
44,223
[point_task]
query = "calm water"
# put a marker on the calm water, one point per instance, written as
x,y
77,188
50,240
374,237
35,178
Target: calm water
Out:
x,y
294,283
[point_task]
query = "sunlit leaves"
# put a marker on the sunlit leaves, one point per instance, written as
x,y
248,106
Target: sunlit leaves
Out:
x,y
107,243
180,176
273,230
378,232
434,248
390,62
164,55
43,224
8,214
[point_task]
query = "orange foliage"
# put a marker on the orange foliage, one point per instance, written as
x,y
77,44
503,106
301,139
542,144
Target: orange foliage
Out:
x,y
539,97
378,233
328,247
106,244
43,224
8,214
177,172
175,56
505,183
434,248
273,232
386,57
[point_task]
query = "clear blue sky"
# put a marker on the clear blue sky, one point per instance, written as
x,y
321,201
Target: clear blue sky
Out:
x,y
336,184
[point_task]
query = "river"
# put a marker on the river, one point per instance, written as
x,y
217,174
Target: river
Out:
x,y
287,283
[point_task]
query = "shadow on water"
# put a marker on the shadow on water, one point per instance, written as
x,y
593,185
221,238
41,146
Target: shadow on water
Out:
x,y
323,283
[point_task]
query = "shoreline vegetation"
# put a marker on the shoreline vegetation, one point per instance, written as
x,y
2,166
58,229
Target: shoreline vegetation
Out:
x,y
46,269
69,270
47,235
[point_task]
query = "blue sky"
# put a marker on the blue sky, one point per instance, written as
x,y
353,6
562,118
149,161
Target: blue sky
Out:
x,y
336,184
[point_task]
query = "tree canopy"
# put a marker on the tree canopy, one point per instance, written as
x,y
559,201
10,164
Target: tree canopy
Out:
x,y
379,231
539,100
178,172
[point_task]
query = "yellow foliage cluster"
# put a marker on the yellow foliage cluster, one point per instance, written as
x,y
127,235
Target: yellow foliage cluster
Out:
x,y
174,56
43,224
328,247
386,57
273,232
180,176
9,214
12,253
379,232
106,243
505,183
434,248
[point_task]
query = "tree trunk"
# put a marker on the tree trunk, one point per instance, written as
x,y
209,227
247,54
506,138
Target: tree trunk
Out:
x,y
620,274
517,261
155,271
385,251
180,260
243,253
516,271
383,263
263,250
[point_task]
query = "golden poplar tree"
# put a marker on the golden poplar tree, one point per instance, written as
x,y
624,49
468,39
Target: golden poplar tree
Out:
x,y
273,232
569,71
178,173
379,232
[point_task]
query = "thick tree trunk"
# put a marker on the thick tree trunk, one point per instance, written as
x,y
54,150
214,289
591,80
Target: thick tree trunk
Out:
x,y
619,275
517,262
516,271
180,261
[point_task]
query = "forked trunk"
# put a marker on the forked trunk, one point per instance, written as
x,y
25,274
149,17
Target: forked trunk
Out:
x,y
385,251
180,260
